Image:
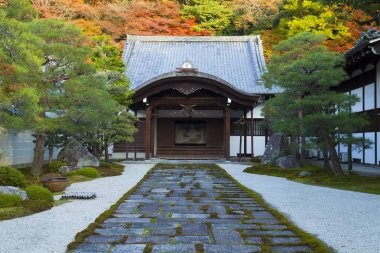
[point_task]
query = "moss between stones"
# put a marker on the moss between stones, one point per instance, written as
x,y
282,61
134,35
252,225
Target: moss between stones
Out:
x,y
308,240
79,238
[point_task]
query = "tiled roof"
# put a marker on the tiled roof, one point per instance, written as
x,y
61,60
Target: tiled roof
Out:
x,y
238,60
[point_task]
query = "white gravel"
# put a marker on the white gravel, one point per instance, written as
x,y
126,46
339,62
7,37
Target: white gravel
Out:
x,y
347,221
53,230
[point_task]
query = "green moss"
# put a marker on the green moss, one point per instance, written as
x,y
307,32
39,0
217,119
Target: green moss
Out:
x,y
79,238
86,171
13,212
36,192
37,205
307,239
10,200
321,177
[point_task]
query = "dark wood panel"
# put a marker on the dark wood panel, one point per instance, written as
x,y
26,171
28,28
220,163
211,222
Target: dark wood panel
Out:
x,y
139,139
166,146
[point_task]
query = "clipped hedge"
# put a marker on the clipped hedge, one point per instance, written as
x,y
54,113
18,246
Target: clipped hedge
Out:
x,y
36,192
10,200
37,205
55,165
86,171
12,177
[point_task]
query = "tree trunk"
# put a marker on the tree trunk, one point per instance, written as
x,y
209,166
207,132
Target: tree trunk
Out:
x,y
349,157
106,155
302,130
337,169
51,151
38,158
326,160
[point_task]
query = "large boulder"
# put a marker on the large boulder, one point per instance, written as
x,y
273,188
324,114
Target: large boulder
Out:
x,y
76,155
66,169
288,162
13,190
277,147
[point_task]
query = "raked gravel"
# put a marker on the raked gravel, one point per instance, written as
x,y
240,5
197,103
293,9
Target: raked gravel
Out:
x,y
347,221
53,230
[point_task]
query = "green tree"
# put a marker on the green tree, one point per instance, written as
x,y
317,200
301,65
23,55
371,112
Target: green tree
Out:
x,y
307,71
311,16
211,15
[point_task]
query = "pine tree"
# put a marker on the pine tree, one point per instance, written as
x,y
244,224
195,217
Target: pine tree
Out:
x,y
307,72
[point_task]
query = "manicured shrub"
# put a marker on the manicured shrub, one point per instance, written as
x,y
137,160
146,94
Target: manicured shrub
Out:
x,y
36,192
55,165
10,200
37,205
86,171
12,177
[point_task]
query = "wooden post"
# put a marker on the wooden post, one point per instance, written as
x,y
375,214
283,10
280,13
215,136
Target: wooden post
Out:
x,y
134,143
240,135
245,133
227,133
147,132
252,134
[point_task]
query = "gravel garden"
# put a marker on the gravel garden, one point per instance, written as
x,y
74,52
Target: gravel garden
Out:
x,y
22,194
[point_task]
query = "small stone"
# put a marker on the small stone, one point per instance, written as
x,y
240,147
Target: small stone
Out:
x,y
254,240
305,174
194,229
130,248
103,238
212,248
118,231
192,239
173,248
285,240
147,239
227,237
92,247
290,249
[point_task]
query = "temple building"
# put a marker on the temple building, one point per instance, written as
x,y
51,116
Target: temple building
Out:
x,y
196,97
363,68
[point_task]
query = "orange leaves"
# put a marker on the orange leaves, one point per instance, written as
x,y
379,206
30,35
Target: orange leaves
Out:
x,y
117,18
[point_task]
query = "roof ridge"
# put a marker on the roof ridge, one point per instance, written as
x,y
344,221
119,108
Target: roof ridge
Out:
x,y
190,38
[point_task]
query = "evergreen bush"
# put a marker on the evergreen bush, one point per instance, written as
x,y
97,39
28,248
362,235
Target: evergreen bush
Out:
x,y
55,165
36,192
10,200
12,177
86,171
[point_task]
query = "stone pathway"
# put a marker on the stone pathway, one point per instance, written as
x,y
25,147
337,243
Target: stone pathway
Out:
x,y
191,210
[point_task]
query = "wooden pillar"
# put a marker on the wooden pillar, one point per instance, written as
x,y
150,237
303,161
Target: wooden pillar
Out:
x,y
252,134
245,133
227,127
147,132
240,136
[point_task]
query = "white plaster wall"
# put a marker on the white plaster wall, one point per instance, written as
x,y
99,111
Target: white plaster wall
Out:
x,y
256,112
369,93
131,155
358,107
370,152
18,148
357,153
258,145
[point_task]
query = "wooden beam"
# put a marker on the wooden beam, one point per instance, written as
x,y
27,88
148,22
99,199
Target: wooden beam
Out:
x,y
227,122
245,134
252,130
147,132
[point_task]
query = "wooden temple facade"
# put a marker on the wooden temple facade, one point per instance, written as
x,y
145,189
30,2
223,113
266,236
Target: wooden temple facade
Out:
x,y
196,97
363,69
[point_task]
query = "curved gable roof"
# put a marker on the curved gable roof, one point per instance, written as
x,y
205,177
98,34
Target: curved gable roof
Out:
x,y
238,60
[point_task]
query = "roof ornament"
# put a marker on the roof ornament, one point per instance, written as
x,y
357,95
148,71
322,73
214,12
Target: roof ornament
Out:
x,y
187,67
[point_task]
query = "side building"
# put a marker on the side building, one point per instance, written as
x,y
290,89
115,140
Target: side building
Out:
x,y
196,97
363,68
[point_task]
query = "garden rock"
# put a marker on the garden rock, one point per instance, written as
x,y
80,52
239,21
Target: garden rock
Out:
x,y
305,174
76,155
288,162
277,147
13,190
66,169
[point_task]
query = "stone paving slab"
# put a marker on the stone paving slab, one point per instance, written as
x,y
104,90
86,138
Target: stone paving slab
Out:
x,y
191,210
